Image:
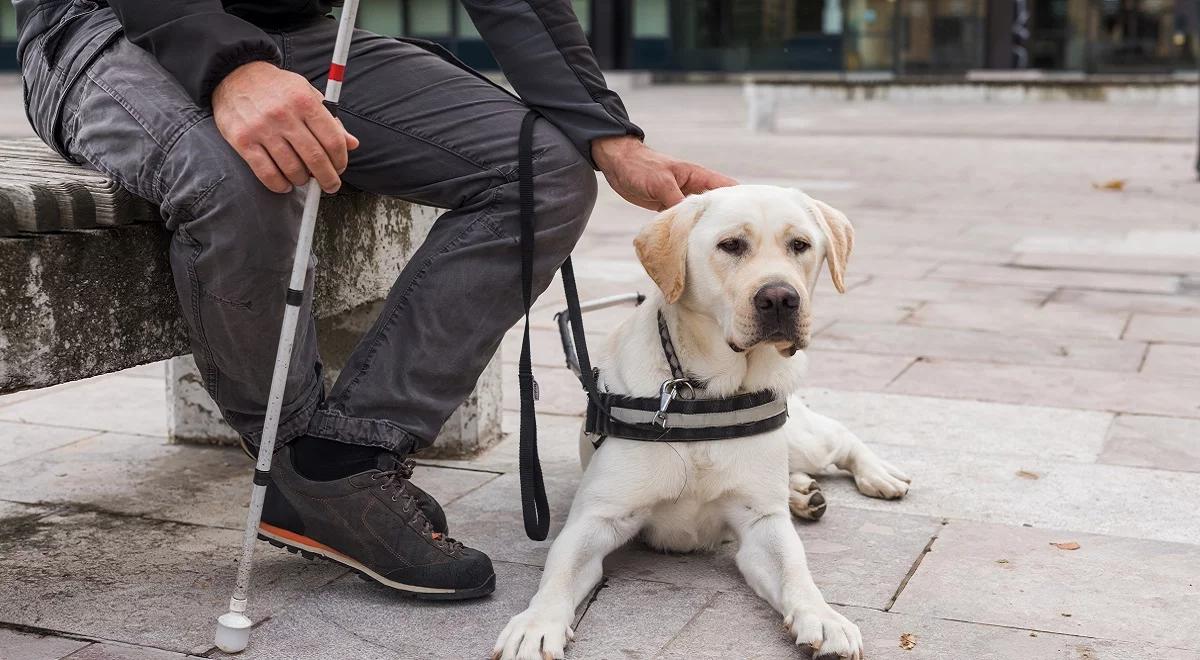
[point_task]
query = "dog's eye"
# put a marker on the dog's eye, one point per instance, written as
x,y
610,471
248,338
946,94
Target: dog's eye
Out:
x,y
800,246
734,246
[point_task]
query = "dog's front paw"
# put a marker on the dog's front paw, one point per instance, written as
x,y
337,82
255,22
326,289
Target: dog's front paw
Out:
x,y
805,498
827,633
531,635
881,479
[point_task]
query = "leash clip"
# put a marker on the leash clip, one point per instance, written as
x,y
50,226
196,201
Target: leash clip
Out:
x,y
666,394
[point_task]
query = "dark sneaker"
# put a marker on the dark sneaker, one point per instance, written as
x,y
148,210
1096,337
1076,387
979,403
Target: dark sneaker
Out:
x,y
429,506
372,523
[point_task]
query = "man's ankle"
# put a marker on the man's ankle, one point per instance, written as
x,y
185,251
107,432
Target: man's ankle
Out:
x,y
319,459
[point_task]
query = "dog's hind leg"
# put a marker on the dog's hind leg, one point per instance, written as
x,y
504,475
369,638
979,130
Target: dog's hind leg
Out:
x,y
805,498
815,442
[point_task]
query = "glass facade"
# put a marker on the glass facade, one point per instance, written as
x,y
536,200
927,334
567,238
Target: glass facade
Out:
x,y
901,37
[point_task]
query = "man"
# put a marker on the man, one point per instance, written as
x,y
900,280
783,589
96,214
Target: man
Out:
x,y
210,109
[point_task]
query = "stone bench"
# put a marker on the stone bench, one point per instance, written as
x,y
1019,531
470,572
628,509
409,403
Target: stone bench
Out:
x,y
86,289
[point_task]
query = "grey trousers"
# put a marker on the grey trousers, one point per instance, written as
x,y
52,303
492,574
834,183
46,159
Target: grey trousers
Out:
x,y
431,131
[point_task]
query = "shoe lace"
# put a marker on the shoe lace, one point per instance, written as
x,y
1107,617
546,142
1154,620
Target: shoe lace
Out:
x,y
397,476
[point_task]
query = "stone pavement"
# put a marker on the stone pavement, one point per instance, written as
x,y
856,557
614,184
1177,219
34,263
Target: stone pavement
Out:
x,y
1022,342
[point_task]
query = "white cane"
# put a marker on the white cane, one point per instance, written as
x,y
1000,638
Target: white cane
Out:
x,y
233,627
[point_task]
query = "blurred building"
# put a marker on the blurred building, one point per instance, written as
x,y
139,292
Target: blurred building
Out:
x,y
898,37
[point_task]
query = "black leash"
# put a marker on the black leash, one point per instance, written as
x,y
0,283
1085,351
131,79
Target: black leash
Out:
x,y
534,506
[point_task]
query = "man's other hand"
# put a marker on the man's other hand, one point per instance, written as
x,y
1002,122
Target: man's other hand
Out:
x,y
649,179
276,122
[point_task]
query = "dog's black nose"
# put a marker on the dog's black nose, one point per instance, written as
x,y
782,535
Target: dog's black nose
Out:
x,y
777,297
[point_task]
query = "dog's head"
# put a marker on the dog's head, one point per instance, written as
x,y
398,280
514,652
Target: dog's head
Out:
x,y
748,256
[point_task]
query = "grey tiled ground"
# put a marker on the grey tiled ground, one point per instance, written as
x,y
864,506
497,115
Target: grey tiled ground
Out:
x,y
1025,344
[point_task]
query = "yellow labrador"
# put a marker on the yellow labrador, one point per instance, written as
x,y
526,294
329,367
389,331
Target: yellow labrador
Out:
x,y
736,268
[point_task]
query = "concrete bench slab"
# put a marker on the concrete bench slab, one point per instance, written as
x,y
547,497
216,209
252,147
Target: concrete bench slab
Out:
x,y
86,287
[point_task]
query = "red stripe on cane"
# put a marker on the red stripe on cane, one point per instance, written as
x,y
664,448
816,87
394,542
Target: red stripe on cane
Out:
x,y
336,71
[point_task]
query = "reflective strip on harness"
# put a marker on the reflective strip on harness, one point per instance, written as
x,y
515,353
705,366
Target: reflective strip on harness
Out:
x,y
703,420
691,420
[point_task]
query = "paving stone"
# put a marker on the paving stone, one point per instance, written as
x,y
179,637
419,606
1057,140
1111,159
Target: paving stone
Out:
x,y
1053,386
18,440
634,619
1166,443
1022,318
956,425
1154,327
353,619
953,291
1075,592
136,475
850,370
25,395
1150,303
857,557
742,626
489,518
29,646
111,651
1105,499
106,403
137,581
1129,263
829,307
1172,360
1080,352
1045,277
150,370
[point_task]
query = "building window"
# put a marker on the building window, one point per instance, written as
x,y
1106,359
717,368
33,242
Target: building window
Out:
x,y
429,18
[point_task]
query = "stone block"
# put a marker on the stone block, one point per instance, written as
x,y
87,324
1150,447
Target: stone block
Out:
x,y
1049,350
1044,277
16,645
1162,328
1110,588
1013,319
349,618
19,440
106,403
1172,360
976,426
1166,443
69,569
1088,389
852,370
140,476
1043,491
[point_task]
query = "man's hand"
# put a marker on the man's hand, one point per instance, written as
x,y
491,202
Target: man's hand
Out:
x,y
649,179
276,122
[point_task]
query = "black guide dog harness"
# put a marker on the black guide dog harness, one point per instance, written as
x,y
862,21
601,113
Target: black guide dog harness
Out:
x,y
678,414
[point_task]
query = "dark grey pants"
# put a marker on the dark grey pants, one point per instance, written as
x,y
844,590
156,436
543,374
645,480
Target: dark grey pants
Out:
x,y
431,132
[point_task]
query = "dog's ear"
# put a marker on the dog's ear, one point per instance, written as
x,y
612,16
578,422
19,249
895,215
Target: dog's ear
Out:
x,y
662,246
840,235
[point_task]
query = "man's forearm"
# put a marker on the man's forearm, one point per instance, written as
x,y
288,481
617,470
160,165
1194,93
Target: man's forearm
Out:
x,y
545,55
195,40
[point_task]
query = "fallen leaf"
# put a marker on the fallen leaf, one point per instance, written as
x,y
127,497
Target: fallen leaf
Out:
x,y
1033,634
1112,184
1069,545
1001,561
1066,614
1026,474
908,641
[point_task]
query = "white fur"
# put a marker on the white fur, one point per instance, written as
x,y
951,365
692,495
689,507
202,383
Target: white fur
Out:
x,y
691,496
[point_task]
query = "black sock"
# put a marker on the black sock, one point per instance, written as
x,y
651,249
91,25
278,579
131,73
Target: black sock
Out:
x,y
325,460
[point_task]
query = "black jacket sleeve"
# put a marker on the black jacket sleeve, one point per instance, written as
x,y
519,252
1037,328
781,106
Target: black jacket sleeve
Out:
x,y
545,55
194,40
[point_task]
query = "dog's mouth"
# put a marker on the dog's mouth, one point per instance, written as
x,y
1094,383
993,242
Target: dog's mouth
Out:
x,y
786,342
